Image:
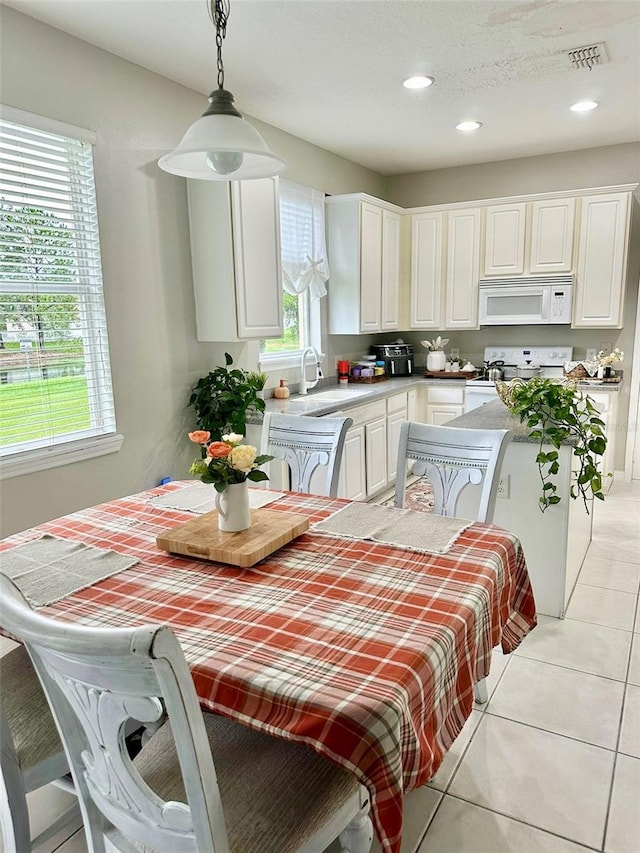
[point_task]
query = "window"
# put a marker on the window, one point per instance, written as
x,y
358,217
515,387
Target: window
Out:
x,y
304,272
56,398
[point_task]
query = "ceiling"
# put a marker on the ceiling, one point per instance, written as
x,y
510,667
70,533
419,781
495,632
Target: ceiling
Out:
x,y
331,72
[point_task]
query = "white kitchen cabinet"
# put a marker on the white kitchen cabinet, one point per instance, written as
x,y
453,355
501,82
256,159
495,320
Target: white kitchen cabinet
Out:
x,y
552,230
353,483
363,243
606,402
375,448
426,270
235,255
396,416
463,269
602,261
444,403
504,239
445,262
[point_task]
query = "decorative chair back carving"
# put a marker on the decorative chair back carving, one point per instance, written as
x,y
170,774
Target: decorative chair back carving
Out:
x,y
306,444
451,458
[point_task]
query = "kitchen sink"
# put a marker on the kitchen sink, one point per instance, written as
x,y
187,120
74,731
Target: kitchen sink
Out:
x,y
336,394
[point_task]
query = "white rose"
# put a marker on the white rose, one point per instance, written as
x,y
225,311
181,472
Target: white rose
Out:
x,y
232,438
243,457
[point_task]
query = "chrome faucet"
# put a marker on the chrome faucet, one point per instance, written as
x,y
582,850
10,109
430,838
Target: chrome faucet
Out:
x,y
304,383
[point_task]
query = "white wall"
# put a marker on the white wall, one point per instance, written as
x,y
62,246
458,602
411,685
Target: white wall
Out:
x,y
155,357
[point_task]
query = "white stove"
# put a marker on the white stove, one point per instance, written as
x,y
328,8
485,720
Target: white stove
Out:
x,y
550,359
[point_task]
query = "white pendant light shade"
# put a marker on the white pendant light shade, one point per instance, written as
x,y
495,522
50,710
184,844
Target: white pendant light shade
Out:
x,y
221,145
222,148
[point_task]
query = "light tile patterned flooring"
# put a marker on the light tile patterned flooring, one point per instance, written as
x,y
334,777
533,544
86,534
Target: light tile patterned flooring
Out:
x,y
552,763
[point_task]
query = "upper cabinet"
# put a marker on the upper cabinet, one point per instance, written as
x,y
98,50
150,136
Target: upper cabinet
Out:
x,y
529,238
363,243
602,261
552,230
445,261
235,256
504,240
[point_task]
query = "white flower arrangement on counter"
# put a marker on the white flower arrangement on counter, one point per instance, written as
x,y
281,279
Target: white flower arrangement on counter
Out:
x,y
611,358
435,345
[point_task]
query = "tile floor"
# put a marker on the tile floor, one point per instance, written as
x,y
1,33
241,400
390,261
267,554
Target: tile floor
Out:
x,y
551,764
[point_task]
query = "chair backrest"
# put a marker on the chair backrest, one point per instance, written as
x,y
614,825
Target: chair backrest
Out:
x,y
97,680
451,458
305,444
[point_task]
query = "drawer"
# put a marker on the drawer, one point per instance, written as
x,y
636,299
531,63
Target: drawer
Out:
x,y
455,396
365,414
397,403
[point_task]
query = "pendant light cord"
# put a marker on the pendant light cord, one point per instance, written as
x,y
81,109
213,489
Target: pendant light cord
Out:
x,y
219,14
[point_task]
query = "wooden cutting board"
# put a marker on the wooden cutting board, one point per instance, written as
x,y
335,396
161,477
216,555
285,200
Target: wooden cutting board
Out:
x,y
201,538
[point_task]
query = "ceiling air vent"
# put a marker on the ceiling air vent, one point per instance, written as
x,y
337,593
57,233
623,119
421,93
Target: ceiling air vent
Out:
x,y
588,56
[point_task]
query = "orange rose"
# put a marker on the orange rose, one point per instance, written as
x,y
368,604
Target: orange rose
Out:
x,y
200,436
218,450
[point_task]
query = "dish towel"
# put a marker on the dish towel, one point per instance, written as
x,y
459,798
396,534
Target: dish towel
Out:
x,y
200,497
417,531
48,569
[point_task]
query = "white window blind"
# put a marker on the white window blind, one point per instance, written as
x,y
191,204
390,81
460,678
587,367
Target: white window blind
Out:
x,y
55,379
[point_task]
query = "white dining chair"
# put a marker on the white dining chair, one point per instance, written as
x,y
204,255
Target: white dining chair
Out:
x,y
201,783
306,444
31,755
452,458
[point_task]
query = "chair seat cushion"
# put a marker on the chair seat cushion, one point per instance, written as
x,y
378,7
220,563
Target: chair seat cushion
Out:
x,y
275,794
34,733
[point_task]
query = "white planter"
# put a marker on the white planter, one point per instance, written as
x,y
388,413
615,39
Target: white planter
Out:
x,y
436,360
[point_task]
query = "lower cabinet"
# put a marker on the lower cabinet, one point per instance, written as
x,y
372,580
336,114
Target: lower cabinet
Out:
x,y
444,404
397,414
370,456
606,402
353,482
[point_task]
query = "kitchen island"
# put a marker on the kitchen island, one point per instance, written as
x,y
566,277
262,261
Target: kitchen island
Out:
x,y
555,542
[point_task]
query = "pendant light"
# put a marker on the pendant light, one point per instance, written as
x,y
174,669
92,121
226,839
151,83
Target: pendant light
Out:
x,y
221,145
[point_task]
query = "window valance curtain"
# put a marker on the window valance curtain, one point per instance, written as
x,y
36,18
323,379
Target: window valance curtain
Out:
x,y
304,252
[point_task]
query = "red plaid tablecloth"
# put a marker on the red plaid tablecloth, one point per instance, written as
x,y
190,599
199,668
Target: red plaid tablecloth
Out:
x,y
366,652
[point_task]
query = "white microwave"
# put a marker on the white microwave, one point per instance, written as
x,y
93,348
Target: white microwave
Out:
x,y
526,301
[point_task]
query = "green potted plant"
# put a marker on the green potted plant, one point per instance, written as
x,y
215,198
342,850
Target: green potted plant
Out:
x,y
222,398
557,413
258,380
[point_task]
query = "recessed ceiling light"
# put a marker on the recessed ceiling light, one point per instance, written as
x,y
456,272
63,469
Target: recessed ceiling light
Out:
x,y
419,82
583,106
469,125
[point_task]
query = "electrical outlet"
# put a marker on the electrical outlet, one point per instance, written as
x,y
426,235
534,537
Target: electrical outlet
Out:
x,y
592,352
503,486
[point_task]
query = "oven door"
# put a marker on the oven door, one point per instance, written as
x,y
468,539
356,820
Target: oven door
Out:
x,y
515,305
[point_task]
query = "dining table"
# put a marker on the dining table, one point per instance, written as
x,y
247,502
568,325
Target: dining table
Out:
x,y
365,650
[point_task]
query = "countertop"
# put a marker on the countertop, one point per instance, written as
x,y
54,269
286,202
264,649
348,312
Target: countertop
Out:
x,y
495,415
311,405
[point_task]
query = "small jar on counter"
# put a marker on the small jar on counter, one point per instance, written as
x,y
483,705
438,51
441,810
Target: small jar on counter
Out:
x,y
356,370
281,392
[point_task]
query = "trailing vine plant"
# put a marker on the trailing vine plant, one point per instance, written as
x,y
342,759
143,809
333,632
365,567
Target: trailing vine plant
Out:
x,y
558,413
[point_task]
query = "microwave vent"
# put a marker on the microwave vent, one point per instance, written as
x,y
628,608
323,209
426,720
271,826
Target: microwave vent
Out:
x,y
588,56
556,280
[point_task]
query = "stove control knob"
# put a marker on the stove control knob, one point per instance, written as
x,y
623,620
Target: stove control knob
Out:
x,y
554,355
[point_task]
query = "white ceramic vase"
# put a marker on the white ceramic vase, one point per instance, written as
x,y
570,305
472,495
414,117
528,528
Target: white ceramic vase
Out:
x,y
233,508
436,360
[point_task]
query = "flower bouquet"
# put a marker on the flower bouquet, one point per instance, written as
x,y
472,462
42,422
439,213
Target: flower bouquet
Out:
x,y
611,358
227,462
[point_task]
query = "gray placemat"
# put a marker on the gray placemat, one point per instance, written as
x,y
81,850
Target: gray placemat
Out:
x,y
48,569
200,497
433,534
